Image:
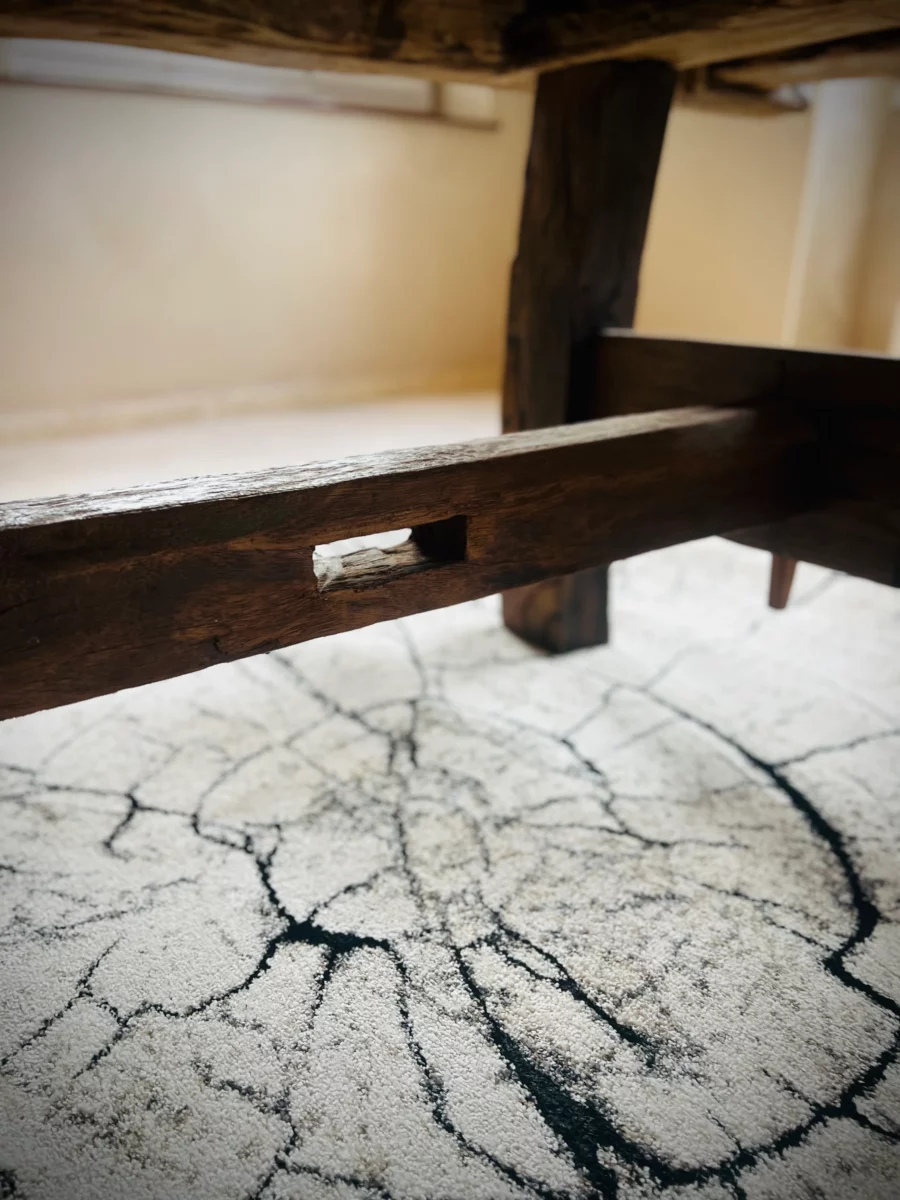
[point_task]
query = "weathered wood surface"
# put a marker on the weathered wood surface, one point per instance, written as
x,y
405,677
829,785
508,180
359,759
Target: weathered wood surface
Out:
x,y
103,592
852,400
596,140
869,56
456,37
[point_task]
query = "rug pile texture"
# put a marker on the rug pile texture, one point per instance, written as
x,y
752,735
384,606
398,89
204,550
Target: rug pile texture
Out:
x,y
417,912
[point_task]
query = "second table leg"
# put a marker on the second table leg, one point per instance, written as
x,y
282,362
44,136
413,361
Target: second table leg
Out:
x,y
596,140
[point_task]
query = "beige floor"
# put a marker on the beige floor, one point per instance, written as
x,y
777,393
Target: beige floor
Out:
x,y
89,463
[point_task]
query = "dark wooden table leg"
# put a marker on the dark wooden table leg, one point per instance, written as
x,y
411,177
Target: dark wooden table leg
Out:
x,y
780,580
596,140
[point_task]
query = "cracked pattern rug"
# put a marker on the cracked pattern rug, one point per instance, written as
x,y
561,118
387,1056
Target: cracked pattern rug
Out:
x,y
419,912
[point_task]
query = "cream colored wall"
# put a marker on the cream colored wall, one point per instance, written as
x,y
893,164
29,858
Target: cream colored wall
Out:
x,y
151,245
718,254
155,245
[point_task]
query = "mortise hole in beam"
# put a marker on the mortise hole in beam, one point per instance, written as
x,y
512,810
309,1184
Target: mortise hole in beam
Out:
x,y
378,558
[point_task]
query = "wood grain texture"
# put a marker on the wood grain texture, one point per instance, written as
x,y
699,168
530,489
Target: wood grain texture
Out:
x,y
596,140
852,400
456,38
103,592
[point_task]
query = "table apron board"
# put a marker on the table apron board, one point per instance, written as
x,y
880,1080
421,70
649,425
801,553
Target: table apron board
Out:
x,y
484,40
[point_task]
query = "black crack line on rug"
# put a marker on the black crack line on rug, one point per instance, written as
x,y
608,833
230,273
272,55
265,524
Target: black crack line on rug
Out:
x,y
339,945
623,829
867,914
436,1097
292,932
862,740
308,933
82,991
579,1127
582,1128
760,904
432,1084
135,806
648,1047
397,743
280,1161
651,1050
867,918
356,1182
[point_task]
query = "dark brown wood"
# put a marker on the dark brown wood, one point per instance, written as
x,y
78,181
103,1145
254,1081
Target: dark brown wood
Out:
x,y
780,580
461,38
846,535
596,140
103,592
639,373
852,399
869,56
570,612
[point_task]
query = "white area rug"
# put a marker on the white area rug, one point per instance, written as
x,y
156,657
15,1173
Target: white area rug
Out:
x,y
417,912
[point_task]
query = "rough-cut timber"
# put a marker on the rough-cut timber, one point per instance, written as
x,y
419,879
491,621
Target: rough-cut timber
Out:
x,y
103,592
454,37
852,400
596,140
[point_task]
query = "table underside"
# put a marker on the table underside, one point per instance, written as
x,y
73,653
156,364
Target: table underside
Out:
x,y
615,444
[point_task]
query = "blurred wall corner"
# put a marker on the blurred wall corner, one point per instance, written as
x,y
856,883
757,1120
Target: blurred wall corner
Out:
x,y
844,279
878,301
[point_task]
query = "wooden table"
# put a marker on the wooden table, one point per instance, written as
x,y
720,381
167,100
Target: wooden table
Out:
x,y
615,444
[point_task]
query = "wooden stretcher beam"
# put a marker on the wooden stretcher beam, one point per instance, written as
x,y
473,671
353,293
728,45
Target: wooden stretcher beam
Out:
x,y
103,592
640,373
456,38
852,400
